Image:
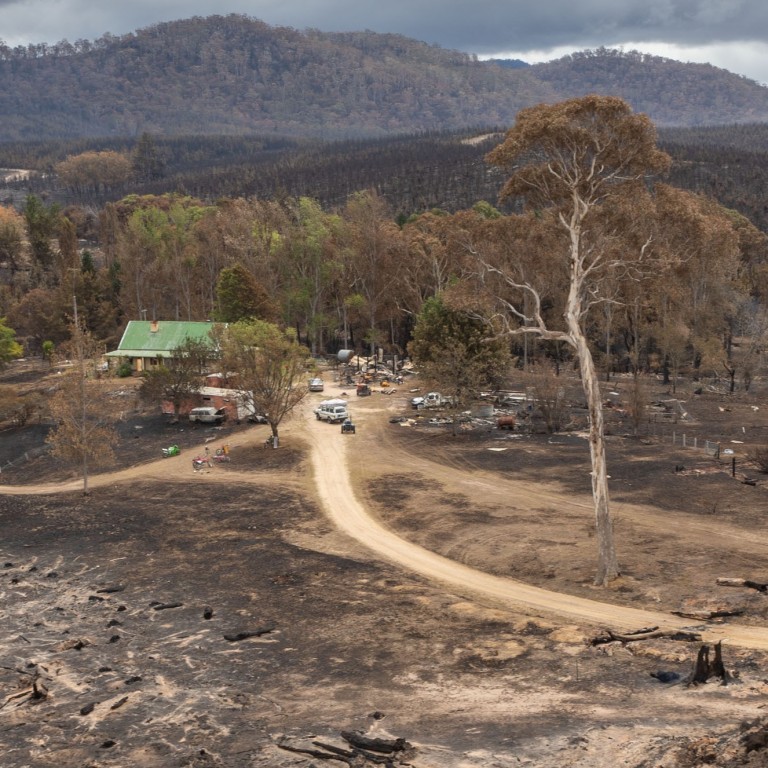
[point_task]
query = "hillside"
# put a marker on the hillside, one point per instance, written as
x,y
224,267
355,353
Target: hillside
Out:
x,y
670,92
235,75
414,172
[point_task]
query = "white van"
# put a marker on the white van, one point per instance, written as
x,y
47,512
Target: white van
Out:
x,y
208,415
332,411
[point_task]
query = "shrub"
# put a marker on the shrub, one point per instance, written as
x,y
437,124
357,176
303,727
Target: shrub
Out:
x,y
124,370
760,457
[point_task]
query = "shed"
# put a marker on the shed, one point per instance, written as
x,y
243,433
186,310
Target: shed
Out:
x,y
238,405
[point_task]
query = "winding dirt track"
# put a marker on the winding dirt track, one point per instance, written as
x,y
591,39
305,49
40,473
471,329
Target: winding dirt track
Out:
x,y
330,461
331,457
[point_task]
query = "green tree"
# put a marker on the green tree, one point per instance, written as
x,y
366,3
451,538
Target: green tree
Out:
x,y
308,265
39,316
270,367
11,237
42,226
373,255
454,353
240,296
48,348
180,376
10,349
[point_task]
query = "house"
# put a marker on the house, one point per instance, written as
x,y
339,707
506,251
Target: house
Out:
x,y
146,342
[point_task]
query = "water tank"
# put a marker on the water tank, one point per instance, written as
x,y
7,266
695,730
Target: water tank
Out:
x,y
345,355
482,410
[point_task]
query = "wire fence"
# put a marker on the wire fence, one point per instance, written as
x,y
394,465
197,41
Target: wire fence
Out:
x,y
742,466
708,446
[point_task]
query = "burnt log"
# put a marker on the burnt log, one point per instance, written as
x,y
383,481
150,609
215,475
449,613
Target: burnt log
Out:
x,y
166,606
335,750
386,746
760,587
652,634
706,615
315,753
370,756
237,637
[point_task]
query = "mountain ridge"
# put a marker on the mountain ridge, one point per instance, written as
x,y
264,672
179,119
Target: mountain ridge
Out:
x,y
236,75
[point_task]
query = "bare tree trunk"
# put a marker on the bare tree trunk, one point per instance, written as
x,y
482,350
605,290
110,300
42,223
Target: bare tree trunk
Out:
x,y
607,564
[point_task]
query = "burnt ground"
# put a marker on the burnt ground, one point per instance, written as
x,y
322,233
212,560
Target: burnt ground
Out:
x,y
107,657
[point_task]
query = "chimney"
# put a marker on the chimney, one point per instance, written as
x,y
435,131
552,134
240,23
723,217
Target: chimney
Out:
x,y
153,326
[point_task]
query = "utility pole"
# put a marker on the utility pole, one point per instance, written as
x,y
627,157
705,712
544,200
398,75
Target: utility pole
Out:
x,y
81,391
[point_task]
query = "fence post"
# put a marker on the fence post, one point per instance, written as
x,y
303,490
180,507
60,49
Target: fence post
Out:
x,y
733,467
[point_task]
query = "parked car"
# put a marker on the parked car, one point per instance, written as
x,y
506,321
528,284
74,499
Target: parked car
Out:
x,y
208,415
316,385
332,411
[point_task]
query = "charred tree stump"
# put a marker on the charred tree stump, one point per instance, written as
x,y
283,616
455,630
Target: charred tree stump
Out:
x,y
704,669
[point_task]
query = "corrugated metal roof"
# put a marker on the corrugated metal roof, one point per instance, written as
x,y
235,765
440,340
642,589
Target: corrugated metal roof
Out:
x,y
145,338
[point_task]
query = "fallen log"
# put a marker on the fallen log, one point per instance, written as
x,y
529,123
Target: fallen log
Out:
x,y
334,749
235,638
705,615
315,753
119,703
633,637
166,606
723,582
386,746
36,692
20,695
370,757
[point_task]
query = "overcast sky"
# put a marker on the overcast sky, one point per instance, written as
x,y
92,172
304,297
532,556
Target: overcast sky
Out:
x,y
732,34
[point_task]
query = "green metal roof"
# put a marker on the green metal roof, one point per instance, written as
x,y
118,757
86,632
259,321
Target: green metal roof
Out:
x,y
146,338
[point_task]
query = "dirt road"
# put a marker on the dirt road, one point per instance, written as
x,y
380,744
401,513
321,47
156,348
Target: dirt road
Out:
x,y
332,455
330,458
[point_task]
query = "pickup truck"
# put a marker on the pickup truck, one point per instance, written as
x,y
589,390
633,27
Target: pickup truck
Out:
x,y
430,400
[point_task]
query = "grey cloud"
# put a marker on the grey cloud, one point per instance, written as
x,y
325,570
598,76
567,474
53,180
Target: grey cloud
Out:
x,y
482,26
